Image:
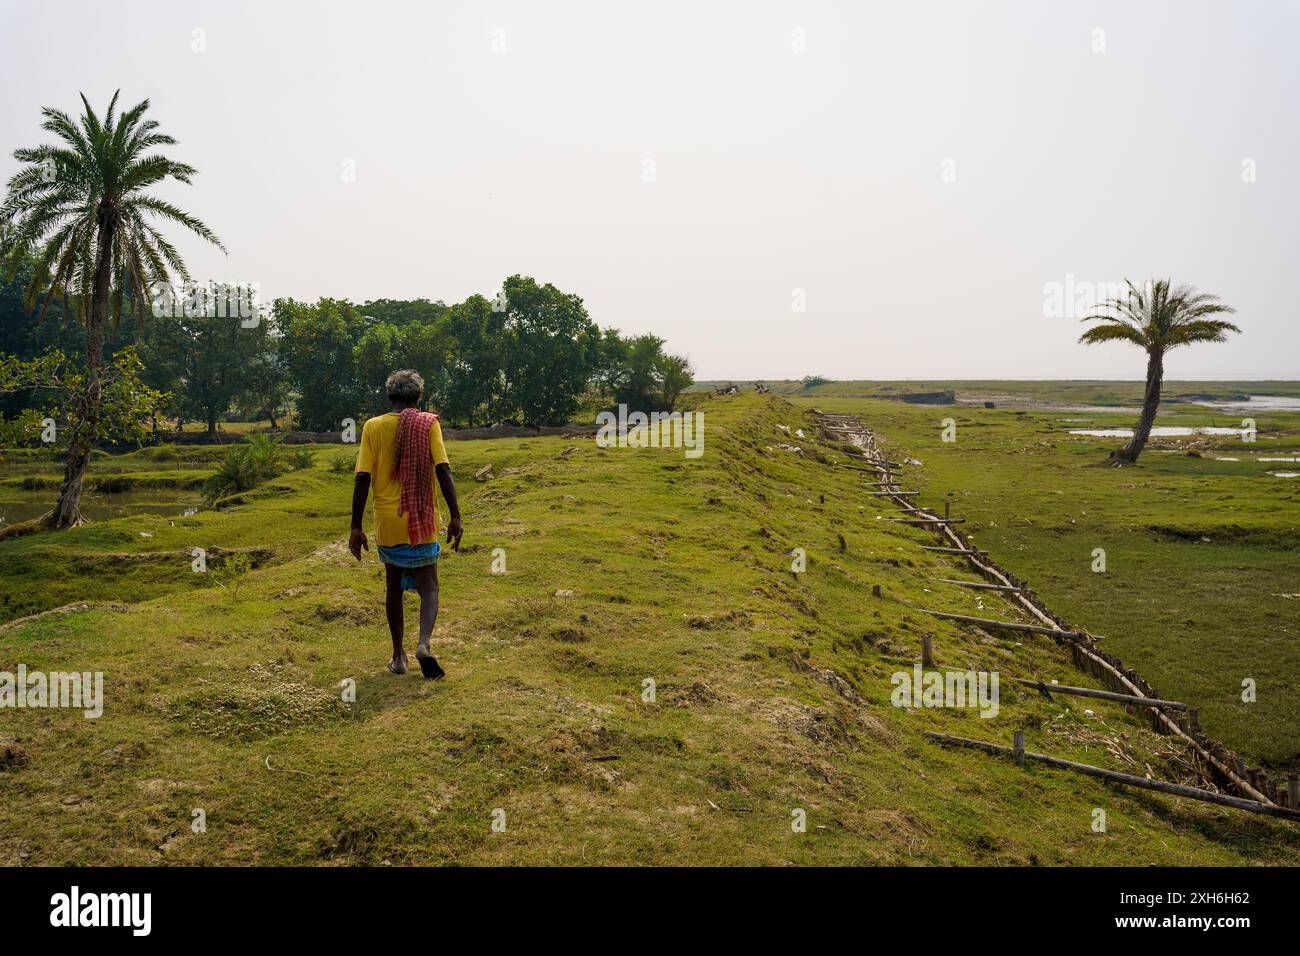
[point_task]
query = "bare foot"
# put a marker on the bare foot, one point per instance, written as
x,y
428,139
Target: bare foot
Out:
x,y
398,664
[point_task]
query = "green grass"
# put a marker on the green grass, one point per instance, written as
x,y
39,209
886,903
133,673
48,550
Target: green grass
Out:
x,y
771,689
1200,552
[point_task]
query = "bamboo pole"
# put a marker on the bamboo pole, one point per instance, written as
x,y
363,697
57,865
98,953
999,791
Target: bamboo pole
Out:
x,y
982,584
1176,789
1100,694
928,520
1009,625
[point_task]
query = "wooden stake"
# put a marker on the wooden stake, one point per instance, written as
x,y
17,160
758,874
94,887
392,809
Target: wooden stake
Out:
x,y
1019,750
927,650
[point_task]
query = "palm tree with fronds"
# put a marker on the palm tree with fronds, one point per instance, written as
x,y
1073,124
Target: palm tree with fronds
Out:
x,y
80,215
1156,318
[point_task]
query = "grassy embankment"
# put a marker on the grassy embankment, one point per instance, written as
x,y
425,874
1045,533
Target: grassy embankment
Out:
x,y
771,689
1202,583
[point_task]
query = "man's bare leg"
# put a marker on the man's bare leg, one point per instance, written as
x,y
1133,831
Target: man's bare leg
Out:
x,y
393,608
426,583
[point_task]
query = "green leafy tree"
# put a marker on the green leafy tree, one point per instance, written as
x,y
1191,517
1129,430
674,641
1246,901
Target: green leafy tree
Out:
x,y
81,214
205,355
266,382
552,351
427,347
124,405
1156,318
403,312
320,362
611,360
675,376
378,351
640,374
472,390
637,381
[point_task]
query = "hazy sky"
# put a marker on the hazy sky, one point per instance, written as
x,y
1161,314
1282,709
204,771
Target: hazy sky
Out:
x,y
517,137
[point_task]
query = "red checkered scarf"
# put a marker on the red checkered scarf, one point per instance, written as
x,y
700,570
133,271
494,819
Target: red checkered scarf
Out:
x,y
414,469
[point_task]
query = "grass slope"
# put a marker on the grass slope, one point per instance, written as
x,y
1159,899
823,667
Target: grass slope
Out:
x,y
771,689
1202,565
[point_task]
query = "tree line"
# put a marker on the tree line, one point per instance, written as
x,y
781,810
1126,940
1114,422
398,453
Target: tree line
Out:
x,y
529,355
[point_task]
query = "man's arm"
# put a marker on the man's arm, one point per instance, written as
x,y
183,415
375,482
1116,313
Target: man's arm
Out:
x,y
448,486
360,492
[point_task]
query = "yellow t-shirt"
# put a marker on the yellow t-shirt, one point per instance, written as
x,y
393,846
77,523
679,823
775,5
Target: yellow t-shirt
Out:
x,y
378,451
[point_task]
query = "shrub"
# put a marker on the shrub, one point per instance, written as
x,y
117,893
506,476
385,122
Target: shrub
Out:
x,y
231,570
245,466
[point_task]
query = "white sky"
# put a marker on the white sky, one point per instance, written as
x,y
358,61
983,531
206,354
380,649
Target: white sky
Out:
x,y
775,170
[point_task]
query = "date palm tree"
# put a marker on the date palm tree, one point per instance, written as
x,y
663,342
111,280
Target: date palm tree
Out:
x,y
80,215
1156,318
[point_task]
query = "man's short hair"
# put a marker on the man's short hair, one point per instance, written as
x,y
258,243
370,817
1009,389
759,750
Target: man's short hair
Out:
x,y
405,386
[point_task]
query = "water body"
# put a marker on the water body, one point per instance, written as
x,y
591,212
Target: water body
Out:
x,y
1258,403
1160,431
101,507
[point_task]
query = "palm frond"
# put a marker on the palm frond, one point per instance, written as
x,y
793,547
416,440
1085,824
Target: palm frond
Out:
x,y
1161,316
95,176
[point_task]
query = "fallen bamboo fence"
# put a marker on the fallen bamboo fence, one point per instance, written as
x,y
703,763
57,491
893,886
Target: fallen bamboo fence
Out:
x,y
1128,779
1220,765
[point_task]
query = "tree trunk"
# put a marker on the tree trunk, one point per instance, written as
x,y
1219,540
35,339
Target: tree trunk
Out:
x,y
67,513
1150,403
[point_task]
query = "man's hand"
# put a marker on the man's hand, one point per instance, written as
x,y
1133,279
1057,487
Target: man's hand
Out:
x,y
357,541
454,531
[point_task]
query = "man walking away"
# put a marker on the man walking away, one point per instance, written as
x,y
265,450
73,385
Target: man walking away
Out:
x,y
400,454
